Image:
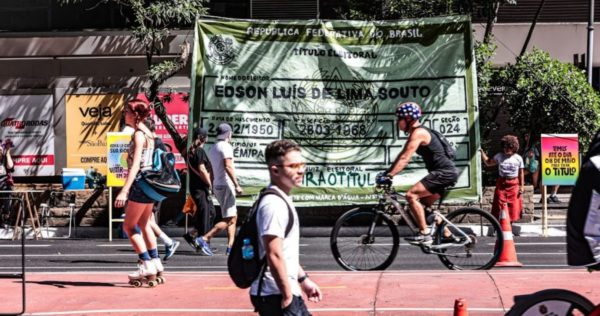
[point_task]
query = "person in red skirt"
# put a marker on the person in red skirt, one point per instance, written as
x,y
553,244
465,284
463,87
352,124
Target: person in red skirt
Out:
x,y
511,179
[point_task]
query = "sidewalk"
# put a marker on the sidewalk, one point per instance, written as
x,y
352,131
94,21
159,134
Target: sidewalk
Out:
x,y
556,225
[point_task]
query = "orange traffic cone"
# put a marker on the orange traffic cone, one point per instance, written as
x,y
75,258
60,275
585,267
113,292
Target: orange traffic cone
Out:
x,y
508,257
460,307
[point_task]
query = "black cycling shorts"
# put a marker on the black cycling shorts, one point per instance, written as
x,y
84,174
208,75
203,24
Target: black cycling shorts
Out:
x,y
439,181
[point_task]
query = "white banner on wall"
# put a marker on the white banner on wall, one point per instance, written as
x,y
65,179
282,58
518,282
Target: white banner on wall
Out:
x,y
27,120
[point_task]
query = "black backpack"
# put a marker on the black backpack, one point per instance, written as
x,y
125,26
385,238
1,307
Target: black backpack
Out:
x,y
243,272
448,149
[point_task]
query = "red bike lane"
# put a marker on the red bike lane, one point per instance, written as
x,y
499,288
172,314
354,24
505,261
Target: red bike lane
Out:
x,y
345,293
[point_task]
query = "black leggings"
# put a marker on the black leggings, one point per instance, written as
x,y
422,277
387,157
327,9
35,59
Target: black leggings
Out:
x,y
205,211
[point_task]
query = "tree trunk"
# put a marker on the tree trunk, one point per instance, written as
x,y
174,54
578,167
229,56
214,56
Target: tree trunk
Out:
x,y
159,107
491,20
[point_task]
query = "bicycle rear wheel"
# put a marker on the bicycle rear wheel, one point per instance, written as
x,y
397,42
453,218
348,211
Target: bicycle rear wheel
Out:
x,y
551,302
484,244
364,239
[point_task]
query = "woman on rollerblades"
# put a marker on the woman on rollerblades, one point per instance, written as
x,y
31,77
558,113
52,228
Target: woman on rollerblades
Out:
x,y
138,206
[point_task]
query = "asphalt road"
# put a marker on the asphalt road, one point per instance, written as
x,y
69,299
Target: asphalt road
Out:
x,y
76,255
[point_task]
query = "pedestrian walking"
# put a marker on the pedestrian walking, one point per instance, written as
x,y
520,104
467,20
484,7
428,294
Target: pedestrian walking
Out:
x,y
138,206
200,184
225,188
511,179
7,166
279,290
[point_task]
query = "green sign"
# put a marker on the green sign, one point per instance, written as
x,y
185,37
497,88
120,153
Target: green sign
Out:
x,y
333,86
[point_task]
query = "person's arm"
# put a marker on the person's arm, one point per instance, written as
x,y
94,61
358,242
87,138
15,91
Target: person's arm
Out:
x,y
10,165
310,288
521,180
490,162
231,173
204,175
138,139
274,255
417,137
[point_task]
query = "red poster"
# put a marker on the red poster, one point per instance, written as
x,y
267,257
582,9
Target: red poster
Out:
x,y
177,107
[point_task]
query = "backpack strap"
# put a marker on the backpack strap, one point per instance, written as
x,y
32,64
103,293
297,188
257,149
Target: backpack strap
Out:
x,y
264,192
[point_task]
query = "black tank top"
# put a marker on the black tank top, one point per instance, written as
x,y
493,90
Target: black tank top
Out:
x,y
434,155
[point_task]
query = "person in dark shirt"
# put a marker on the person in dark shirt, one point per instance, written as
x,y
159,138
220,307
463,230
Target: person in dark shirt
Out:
x,y
6,167
442,171
200,173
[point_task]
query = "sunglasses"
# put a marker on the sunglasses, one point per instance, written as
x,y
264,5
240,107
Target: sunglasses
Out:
x,y
293,166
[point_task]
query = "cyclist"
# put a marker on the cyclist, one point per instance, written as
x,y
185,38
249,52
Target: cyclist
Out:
x,y
442,171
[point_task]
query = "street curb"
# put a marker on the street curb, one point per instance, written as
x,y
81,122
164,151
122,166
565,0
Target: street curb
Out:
x,y
523,230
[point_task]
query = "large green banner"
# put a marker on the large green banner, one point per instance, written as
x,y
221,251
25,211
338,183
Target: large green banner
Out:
x,y
333,86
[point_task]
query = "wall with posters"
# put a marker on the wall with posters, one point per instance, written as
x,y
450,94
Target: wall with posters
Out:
x,y
27,120
332,86
89,117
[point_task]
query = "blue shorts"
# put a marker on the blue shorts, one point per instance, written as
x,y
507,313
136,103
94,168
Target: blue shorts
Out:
x,y
137,195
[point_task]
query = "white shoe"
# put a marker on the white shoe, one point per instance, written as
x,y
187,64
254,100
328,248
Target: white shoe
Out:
x,y
145,268
158,264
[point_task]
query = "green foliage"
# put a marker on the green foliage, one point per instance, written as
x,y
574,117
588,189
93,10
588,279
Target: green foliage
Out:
x,y
486,77
544,95
405,9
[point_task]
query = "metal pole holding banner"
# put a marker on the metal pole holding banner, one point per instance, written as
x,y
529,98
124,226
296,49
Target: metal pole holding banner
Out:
x,y
22,274
544,211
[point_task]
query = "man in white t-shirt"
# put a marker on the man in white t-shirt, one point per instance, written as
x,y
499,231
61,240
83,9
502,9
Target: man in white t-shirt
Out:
x,y
225,187
285,280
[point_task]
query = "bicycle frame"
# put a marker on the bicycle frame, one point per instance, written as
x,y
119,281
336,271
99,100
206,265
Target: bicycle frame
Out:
x,y
390,196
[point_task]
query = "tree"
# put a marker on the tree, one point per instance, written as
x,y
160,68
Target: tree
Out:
x,y
544,95
405,9
152,22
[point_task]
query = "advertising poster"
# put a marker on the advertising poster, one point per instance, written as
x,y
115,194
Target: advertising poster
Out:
x,y
89,118
560,159
333,87
27,121
177,107
116,162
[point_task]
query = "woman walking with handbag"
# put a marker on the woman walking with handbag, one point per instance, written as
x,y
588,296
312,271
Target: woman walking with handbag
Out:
x,y
138,206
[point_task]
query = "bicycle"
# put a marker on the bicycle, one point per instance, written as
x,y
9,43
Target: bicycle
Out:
x,y
557,302
368,238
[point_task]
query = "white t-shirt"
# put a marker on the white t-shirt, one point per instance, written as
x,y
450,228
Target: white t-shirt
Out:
x,y
272,219
218,153
508,166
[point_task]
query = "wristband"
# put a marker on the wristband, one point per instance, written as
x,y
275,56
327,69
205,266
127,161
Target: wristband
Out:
x,y
303,278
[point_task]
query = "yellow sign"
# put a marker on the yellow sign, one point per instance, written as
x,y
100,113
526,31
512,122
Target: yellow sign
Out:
x,y
117,145
89,118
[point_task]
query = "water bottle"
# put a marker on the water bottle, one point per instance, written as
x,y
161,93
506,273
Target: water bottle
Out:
x,y
247,250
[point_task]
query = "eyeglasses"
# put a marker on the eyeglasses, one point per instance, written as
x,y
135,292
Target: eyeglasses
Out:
x,y
294,165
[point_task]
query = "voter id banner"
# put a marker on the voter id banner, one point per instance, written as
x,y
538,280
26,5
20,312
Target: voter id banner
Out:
x,y
333,86
28,122
177,108
116,148
89,118
560,159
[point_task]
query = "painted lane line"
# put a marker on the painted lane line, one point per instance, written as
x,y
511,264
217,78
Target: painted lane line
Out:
x,y
222,310
26,246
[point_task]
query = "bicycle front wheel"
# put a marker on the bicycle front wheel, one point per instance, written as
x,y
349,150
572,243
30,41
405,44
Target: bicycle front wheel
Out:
x,y
364,239
478,236
551,302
